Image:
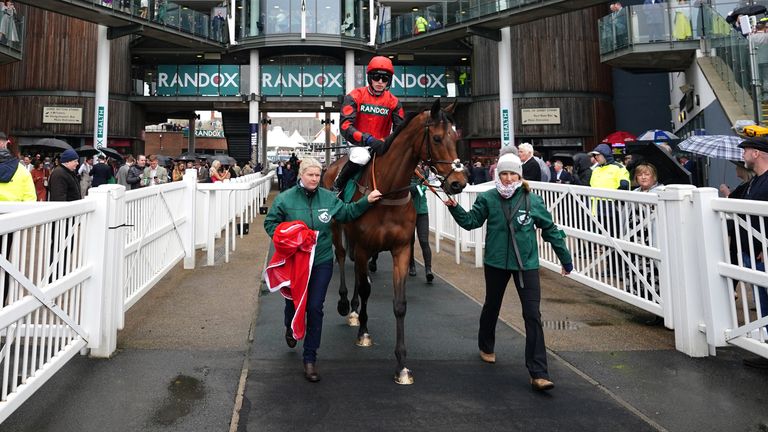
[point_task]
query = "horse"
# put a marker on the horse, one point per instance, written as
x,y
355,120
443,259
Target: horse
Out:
x,y
427,136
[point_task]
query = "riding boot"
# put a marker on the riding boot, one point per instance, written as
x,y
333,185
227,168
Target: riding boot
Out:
x,y
346,172
412,269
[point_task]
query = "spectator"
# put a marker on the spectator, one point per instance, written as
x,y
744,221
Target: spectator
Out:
x,y
279,173
543,167
101,173
531,168
85,176
513,215
745,175
16,182
154,174
136,172
218,173
178,172
646,178
421,25
561,175
63,183
122,172
289,176
478,174
247,169
40,175
608,175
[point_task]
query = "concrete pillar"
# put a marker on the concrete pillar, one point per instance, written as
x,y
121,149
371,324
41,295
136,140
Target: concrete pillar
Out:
x,y
192,128
505,88
101,105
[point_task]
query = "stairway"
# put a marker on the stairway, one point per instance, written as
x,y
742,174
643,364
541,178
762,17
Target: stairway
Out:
x,y
237,132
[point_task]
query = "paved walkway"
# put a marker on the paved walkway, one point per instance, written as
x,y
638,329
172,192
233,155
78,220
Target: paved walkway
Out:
x,y
204,345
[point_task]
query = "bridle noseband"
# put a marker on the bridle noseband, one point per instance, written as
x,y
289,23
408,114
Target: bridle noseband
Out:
x,y
455,164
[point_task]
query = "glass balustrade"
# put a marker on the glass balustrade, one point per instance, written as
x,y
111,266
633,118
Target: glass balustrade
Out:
x,y
345,18
174,16
645,24
13,30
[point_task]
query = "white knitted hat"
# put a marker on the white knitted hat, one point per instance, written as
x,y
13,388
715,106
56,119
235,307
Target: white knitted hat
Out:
x,y
510,163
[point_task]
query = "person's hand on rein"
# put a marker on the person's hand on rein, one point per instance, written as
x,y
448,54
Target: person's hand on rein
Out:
x,y
374,196
450,202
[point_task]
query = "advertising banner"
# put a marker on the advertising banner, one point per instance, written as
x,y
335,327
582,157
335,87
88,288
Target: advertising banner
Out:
x,y
302,80
194,80
419,81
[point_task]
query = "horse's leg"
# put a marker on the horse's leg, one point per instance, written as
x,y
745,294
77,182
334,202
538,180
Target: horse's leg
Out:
x,y
363,289
400,257
338,243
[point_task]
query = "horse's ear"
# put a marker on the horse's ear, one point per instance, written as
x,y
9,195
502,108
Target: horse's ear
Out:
x,y
449,109
435,111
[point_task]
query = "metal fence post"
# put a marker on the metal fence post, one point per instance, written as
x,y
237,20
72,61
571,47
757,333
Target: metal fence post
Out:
x,y
684,271
103,306
715,291
190,210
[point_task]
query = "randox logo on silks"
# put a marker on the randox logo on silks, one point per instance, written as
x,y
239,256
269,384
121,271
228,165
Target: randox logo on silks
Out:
x,y
324,217
374,109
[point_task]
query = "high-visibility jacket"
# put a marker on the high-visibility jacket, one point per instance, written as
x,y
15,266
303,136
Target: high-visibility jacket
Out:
x,y
421,25
20,186
609,176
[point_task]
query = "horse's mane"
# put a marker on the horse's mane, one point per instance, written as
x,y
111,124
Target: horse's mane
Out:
x,y
410,116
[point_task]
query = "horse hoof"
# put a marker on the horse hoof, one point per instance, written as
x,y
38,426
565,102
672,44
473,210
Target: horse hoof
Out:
x,y
364,341
404,377
353,320
343,307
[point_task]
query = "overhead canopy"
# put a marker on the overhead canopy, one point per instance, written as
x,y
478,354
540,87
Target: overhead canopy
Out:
x,y
276,138
297,138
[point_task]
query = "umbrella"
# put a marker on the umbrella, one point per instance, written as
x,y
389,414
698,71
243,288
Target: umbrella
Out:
x,y
619,137
657,135
88,151
668,169
224,159
714,146
187,157
565,158
51,143
744,10
163,160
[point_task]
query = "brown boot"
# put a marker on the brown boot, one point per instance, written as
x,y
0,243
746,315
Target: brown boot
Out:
x,y
488,357
310,372
289,340
542,384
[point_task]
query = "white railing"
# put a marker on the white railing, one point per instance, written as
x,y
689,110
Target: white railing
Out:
x,y
70,271
668,254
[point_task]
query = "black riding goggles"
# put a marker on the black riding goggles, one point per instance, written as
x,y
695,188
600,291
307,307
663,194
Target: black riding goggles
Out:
x,y
379,77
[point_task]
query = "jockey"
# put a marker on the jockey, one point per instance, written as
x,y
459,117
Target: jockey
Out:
x,y
368,115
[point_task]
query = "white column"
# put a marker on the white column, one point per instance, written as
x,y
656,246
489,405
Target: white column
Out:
x,y
231,24
349,70
101,105
505,88
374,24
303,19
254,74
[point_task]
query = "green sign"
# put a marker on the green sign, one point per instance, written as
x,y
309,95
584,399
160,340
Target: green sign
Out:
x,y
100,127
198,80
419,81
302,80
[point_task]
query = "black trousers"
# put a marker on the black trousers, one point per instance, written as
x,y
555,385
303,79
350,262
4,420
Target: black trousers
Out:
x,y
496,281
422,232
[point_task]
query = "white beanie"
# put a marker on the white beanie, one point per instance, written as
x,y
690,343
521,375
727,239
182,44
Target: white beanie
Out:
x,y
511,163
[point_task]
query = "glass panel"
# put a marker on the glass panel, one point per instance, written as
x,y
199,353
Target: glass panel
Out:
x,y
277,16
328,17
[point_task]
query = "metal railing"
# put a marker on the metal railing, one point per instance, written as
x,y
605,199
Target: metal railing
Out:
x,y
13,38
648,250
645,24
70,271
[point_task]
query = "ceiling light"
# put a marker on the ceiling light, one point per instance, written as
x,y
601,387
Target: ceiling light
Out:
x,y
415,9
199,56
463,59
391,56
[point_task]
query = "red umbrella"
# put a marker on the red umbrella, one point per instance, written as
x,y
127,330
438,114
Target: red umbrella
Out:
x,y
619,137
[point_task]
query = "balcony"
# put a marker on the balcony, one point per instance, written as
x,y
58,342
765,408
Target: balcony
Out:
x,y
12,42
651,38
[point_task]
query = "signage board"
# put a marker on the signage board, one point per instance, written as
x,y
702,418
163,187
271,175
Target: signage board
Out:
x,y
207,133
540,116
302,80
505,132
198,80
100,117
419,81
62,115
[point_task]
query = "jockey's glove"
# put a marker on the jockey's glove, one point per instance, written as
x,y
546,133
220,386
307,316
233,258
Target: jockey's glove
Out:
x,y
375,144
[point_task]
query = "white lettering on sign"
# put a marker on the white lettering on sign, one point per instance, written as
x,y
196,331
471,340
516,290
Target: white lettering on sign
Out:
x,y
418,80
301,80
198,80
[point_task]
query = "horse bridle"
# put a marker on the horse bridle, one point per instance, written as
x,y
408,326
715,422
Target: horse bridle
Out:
x,y
432,164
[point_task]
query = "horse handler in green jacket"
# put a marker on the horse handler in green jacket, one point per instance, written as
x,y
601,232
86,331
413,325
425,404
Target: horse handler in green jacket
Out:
x,y
513,214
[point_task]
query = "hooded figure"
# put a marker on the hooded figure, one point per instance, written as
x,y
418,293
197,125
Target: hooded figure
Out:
x,y
582,169
16,182
609,174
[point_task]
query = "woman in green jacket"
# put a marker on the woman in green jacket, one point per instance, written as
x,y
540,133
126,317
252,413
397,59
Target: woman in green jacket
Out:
x,y
511,251
316,207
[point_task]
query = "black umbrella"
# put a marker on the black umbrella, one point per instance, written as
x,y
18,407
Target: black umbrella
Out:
x,y
187,157
51,143
163,160
565,158
668,169
89,151
745,10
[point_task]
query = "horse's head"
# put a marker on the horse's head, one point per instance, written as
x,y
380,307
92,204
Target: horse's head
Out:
x,y
438,149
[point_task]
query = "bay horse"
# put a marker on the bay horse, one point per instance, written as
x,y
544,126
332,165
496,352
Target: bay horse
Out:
x,y
428,136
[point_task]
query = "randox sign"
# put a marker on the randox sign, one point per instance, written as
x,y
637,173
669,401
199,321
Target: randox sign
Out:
x,y
419,81
202,80
302,80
